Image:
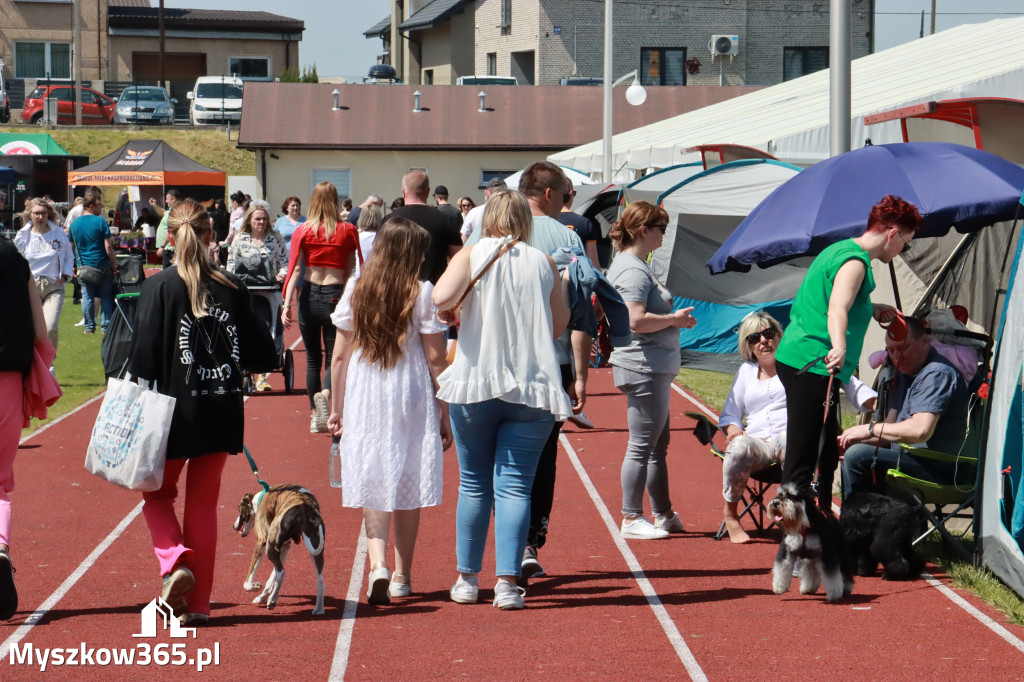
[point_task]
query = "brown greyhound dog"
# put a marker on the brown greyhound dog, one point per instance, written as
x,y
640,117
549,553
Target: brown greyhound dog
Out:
x,y
283,514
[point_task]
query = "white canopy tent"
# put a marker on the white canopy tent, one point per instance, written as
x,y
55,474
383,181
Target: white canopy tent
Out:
x,y
791,120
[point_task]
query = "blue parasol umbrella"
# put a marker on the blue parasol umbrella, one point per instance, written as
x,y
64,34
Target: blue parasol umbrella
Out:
x,y
952,186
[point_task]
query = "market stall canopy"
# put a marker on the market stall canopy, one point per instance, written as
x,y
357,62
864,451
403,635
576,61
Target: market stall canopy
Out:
x,y
147,162
29,144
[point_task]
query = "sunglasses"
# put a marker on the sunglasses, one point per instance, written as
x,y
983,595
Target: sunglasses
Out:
x,y
660,226
566,196
906,242
768,335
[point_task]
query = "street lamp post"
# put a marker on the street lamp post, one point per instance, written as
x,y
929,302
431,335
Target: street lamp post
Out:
x,y
635,93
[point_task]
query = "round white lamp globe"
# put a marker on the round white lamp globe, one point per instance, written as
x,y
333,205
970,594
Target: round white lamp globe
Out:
x,y
636,94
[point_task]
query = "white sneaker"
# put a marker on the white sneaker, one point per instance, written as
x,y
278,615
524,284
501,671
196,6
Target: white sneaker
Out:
x,y
581,420
80,323
322,412
509,597
399,590
465,590
642,529
671,523
312,425
377,588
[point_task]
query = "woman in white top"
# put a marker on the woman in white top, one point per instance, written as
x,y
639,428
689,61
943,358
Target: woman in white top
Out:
x,y
48,251
504,388
389,354
758,398
754,416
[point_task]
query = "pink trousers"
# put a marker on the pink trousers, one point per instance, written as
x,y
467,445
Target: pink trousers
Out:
x,y
192,544
12,415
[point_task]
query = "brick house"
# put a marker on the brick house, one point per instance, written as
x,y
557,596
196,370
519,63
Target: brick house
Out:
x,y
543,41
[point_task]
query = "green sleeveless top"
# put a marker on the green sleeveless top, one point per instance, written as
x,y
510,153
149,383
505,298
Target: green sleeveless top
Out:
x,y
806,337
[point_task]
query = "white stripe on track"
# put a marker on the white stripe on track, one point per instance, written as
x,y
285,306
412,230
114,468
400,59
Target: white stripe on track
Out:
x,y
68,583
61,418
678,643
973,611
348,617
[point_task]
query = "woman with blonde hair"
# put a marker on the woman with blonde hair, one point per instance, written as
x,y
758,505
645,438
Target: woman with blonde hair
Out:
x,y
196,332
328,248
504,388
259,256
645,369
48,251
370,219
390,353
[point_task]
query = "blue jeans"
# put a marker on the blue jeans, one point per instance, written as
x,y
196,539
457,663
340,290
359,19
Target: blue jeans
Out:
x,y
105,292
498,445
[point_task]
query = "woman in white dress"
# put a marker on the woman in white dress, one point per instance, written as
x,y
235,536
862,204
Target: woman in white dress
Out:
x,y
389,353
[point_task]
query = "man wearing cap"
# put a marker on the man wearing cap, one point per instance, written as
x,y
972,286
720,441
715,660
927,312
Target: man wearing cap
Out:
x,y
927,406
441,198
475,218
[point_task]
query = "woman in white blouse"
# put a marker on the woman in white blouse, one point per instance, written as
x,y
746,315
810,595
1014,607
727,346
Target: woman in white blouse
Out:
x,y
45,245
754,416
758,399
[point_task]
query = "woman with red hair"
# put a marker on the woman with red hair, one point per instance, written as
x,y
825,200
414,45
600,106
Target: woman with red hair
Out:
x,y
829,318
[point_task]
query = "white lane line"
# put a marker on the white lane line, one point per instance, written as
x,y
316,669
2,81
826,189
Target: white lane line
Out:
x,y
348,616
700,407
68,583
61,418
678,643
972,610
946,591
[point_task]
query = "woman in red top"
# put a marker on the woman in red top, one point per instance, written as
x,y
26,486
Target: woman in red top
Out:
x,y
328,249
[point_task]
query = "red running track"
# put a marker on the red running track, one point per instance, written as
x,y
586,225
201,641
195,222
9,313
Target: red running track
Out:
x,y
685,607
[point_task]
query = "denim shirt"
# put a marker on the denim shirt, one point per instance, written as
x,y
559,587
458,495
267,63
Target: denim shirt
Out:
x,y
584,281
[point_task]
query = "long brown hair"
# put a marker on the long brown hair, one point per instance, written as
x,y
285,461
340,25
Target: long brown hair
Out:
x,y
189,227
323,209
385,295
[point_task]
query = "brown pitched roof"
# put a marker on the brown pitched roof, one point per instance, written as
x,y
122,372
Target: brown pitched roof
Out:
x,y
300,115
201,19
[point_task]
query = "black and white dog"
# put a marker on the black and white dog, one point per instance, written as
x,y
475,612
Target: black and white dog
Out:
x,y
877,529
813,539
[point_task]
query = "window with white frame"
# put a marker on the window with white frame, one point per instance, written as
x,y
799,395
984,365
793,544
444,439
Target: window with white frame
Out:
x,y
341,178
42,60
250,68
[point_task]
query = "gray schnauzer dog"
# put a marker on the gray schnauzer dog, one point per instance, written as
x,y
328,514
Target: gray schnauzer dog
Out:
x,y
813,539
877,529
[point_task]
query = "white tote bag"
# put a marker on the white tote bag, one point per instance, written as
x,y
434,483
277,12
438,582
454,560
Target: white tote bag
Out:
x,y
128,446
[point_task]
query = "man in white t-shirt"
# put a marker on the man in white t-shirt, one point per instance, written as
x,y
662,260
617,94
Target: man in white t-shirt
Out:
x,y
475,218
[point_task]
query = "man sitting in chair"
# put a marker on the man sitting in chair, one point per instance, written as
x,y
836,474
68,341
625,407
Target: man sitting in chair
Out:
x,y
928,406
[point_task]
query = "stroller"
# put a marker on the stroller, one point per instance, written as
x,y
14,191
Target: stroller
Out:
x,y
117,342
263,306
266,304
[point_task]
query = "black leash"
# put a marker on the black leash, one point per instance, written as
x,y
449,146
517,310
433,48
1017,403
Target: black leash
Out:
x,y
255,471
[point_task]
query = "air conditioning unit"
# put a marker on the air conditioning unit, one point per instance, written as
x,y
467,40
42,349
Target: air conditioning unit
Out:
x,y
724,45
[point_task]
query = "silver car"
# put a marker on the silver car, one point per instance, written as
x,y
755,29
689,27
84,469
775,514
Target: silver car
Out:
x,y
144,104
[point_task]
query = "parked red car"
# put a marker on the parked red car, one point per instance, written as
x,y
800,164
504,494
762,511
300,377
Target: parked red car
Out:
x,y
97,108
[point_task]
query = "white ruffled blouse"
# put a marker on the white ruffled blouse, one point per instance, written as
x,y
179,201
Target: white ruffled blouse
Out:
x,y
506,347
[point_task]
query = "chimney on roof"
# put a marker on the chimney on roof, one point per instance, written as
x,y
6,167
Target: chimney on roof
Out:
x,y
416,101
483,96
336,94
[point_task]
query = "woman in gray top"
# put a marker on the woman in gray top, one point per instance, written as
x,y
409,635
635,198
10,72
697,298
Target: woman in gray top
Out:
x,y
644,370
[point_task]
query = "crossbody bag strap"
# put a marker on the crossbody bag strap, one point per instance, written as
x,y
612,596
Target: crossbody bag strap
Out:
x,y
486,268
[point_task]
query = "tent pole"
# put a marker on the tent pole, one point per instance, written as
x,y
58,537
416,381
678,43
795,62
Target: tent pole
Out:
x,y
964,244
895,286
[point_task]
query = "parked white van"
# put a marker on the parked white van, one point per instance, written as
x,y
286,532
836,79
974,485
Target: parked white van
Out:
x,y
215,99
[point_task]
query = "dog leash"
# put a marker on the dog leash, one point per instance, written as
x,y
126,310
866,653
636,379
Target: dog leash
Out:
x,y
255,471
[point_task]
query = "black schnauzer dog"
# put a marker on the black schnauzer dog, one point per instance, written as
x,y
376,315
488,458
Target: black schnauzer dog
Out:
x,y
879,529
814,539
